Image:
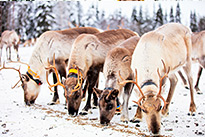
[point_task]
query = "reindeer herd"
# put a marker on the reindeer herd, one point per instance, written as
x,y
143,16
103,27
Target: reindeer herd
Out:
x,y
127,61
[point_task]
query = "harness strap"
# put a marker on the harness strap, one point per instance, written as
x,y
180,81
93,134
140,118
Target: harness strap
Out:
x,y
108,88
38,82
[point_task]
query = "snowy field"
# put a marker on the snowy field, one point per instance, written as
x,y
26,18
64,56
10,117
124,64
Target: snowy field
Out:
x,y
42,120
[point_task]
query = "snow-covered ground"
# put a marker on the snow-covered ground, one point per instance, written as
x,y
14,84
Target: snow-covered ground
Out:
x,y
42,120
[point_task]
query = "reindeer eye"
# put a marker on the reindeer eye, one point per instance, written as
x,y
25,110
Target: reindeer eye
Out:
x,y
160,107
109,107
77,96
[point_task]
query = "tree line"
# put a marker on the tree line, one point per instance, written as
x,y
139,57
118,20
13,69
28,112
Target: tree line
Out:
x,y
31,19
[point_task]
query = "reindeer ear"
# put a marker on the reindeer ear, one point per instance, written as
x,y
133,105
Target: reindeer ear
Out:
x,y
25,77
125,58
91,45
98,92
114,93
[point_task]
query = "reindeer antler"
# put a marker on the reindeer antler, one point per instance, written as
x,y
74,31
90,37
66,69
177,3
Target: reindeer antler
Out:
x,y
18,70
56,73
135,82
161,80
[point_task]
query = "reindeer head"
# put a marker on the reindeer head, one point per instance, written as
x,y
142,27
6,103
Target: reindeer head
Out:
x,y
73,92
107,104
151,103
29,84
72,86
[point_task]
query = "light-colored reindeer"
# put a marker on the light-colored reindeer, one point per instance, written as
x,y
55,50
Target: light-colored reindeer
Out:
x,y
50,42
159,54
9,39
198,55
86,61
117,60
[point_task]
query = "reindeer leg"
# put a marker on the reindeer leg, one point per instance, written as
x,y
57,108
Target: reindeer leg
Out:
x,y
126,95
9,53
95,98
138,116
17,53
183,79
187,70
197,82
92,78
173,82
0,54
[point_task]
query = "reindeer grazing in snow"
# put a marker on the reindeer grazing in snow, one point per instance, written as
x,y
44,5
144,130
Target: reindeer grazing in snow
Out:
x,y
117,59
86,61
50,42
9,38
158,55
198,55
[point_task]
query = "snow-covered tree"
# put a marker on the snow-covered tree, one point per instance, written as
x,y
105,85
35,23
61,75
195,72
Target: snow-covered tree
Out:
x,y
89,19
171,15
44,18
178,14
193,22
201,23
159,19
5,16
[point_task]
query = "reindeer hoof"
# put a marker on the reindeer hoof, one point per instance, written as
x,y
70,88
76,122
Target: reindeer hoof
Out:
x,y
83,113
54,102
124,119
95,107
191,114
135,120
199,92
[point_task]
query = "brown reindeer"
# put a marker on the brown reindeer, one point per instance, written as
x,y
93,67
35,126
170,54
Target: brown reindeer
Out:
x,y
117,59
9,38
50,42
87,59
198,55
159,54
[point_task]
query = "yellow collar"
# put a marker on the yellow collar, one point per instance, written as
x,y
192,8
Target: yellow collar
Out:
x,y
32,73
73,71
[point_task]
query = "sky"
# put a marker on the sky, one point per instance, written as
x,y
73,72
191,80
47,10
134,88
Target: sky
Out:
x,y
126,7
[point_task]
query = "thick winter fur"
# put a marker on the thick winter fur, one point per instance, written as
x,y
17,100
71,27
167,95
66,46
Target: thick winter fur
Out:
x,y
198,55
9,39
89,52
117,60
50,42
172,44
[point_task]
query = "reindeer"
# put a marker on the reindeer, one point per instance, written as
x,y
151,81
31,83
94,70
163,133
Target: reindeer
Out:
x,y
117,59
198,55
158,55
30,42
86,61
9,38
50,42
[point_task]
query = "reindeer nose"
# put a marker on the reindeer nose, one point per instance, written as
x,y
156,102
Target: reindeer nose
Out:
x,y
72,111
104,120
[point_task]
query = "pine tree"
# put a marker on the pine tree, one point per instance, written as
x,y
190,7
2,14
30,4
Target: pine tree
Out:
x,y
165,18
159,20
193,22
4,15
178,14
171,15
44,18
79,14
201,23
134,20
